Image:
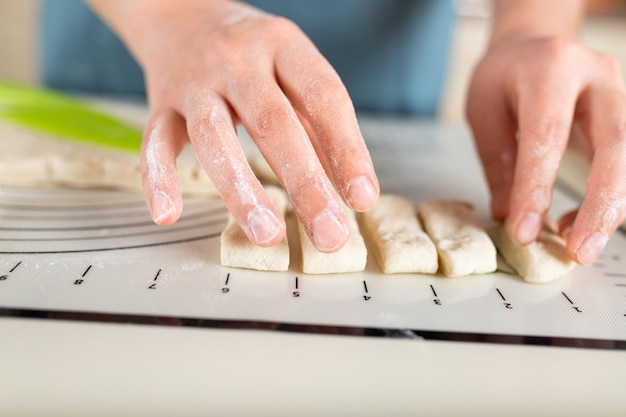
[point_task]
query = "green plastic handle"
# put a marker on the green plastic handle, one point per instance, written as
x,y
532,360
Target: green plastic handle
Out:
x,y
59,115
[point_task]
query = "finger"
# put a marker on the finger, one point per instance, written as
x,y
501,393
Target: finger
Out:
x,y
320,97
604,206
544,117
274,126
214,139
494,130
163,139
566,222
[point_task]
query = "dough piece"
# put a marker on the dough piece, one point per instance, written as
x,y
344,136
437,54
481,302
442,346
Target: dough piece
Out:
x,y
237,251
351,258
463,245
261,168
394,234
542,261
29,159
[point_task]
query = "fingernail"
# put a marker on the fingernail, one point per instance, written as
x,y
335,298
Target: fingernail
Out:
x,y
329,234
263,225
361,193
589,250
528,228
162,207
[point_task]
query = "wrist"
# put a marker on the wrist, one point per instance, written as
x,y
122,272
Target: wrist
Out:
x,y
523,19
147,26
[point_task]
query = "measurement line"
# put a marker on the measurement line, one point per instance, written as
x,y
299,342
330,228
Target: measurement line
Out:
x,y
15,267
139,211
615,274
567,298
227,278
620,285
433,290
296,283
159,231
500,292
75,217
86,270
101,226
157,275
66,207
147,245
365,286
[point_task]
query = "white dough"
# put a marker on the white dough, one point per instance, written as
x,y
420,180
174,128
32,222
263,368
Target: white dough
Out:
x,y
351,258
237,251
29,158
544,260
397,240
463,245
261,168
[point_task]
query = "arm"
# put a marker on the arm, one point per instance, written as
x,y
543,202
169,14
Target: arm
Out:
x,y
210,65
536,18
534,86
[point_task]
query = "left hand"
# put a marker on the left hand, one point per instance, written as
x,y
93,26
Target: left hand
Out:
x,y
526,96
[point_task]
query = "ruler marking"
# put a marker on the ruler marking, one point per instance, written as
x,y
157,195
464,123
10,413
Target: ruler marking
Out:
x,y
615,274
501,295
227,279
86,271
296,283
567,298
365,286
433,290
15,267
157,275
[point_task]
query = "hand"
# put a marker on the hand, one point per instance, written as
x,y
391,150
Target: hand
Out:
x,y
526,96
210,65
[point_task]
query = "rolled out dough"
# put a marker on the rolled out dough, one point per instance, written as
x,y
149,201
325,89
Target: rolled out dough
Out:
x,y
544,260
237,251
463,245
397,240
29,158
351,258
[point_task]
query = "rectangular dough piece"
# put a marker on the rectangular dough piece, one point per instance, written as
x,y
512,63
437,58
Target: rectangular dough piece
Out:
x,y
463,245
237,251
397,239
351,258
541,261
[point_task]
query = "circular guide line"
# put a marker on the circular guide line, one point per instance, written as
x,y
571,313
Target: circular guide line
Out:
x,y
73,225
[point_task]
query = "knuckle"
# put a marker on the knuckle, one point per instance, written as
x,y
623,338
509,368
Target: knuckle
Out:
x,y
281,28
269,120
560,49
619,137
310,193
615,147
548,132
197,127
225,51
325,95
253,34
611,66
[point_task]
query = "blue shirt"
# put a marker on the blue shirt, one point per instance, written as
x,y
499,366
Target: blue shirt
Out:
x,y
391,54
